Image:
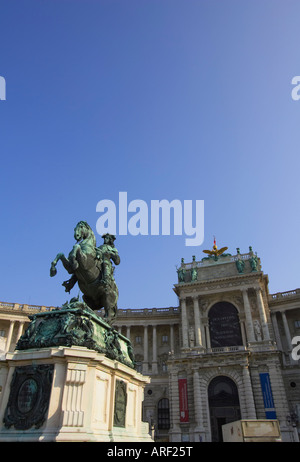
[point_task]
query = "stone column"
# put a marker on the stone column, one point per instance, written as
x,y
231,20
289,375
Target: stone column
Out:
x,y
9,336
286,331
208,344
128,332
249,323
174,432
20,330
198,336
184,324
262,314
248,393
172,337
276,331
154,351
279,397
244,337
145,362
199,430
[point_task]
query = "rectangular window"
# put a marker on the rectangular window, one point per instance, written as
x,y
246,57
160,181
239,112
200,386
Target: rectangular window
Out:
x,y
138,340
163,414
165,339
297,324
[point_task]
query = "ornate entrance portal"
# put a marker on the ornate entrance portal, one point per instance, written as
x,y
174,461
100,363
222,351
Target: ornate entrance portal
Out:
x,y
224,405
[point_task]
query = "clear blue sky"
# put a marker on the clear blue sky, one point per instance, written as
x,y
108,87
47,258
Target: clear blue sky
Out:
x,y
164,99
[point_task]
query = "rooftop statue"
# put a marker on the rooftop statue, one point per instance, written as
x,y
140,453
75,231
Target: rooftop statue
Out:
x,y
92,268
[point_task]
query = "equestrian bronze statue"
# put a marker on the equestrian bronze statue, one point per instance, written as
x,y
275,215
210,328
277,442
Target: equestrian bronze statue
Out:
x,y
92,268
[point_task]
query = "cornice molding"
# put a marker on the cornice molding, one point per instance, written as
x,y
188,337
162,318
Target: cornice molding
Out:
x,y
223,284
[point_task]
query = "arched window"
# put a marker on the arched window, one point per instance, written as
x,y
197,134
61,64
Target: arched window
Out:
x,y
163,414
223,392
224,325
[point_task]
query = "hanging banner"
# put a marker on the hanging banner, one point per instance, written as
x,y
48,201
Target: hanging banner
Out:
x,y
267,395
183,400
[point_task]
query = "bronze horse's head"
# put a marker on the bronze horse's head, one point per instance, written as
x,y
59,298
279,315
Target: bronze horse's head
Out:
x,y
83,231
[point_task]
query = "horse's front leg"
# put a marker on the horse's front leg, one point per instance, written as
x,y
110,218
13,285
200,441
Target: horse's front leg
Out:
x,y
73,257
65,262
53,269
78,258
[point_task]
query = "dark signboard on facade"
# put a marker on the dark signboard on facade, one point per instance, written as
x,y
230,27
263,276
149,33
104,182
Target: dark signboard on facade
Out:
x,y
224,325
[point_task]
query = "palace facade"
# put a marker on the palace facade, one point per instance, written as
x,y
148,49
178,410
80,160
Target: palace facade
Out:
x,y
225,353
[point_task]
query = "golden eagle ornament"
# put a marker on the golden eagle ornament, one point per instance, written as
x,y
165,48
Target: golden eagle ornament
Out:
x,y
215,252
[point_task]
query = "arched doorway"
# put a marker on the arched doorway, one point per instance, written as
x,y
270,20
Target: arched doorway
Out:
x,y
224,405
224,325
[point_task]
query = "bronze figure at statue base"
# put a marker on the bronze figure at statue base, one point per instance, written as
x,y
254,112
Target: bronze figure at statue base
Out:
x,y
75,324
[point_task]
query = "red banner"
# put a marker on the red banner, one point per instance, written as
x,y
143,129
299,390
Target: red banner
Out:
x,y
183,400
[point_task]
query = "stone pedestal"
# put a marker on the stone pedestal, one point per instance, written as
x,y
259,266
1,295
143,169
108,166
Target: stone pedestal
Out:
x,y
70,394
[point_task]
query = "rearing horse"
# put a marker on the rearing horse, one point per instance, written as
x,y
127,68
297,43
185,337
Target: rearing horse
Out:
x,y
86,262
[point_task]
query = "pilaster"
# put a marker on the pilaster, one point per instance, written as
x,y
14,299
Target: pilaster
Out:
x,y
199,432
146,359
184,323
198,333
262,314
175,432
248,394
248,316
9,336
154,350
